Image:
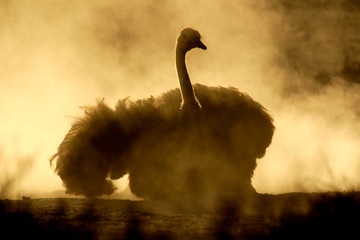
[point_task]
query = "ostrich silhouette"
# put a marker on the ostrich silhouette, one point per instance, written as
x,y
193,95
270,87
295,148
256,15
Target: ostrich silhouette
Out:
x,y
208,145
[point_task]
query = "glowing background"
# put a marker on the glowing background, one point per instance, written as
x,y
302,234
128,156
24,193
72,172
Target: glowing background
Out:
x,y
298,59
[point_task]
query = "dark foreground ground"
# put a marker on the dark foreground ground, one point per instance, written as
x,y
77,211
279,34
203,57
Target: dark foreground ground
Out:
x,y
285,216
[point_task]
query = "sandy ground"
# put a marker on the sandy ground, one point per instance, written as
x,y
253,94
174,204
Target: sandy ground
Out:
x,y
286,216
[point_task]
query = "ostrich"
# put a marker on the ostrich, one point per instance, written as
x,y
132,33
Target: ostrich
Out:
x,y
209,144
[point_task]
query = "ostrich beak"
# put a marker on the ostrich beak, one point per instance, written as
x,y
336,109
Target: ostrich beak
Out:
x,y
201,45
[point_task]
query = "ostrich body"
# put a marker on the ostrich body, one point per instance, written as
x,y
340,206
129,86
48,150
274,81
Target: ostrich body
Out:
x,y
208,145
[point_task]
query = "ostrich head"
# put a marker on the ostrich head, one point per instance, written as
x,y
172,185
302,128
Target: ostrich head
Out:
x,y
189,39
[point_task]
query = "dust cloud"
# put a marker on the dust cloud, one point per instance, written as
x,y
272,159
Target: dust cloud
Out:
x,y
317,69
299,60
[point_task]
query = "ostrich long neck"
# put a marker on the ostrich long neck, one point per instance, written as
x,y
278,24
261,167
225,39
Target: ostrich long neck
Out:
x,y
187,92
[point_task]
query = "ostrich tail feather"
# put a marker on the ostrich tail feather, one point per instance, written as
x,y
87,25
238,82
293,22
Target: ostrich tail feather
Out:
x,y
86,155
